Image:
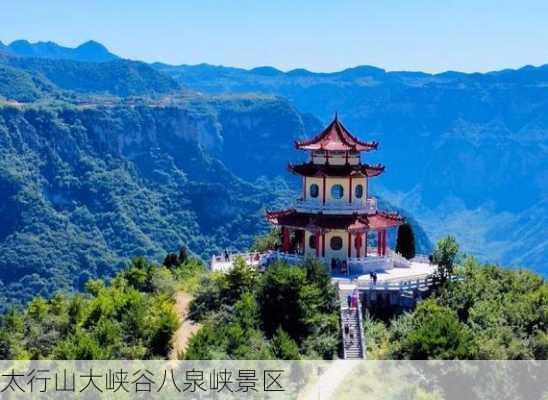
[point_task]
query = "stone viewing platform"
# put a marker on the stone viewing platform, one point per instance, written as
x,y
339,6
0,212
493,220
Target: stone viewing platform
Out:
x,y
391,270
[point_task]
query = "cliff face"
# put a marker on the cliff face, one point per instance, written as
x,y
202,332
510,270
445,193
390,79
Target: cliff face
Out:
x,y
82,190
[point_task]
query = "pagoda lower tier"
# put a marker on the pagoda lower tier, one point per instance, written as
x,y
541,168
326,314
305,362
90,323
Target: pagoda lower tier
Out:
x,y
332,236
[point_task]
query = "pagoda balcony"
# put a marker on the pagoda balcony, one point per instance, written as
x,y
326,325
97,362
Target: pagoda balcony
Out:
x,y
366,206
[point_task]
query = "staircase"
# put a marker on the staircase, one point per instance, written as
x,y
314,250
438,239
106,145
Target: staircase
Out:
x,y
353,343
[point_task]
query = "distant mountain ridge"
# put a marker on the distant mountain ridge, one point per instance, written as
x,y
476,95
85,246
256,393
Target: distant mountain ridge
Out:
x,y
466,152
481,139
90,51
33,71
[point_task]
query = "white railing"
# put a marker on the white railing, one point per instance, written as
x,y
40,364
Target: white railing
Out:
x,y
279,255
399,260
224,263
409,283
360,325
364,206
421,258
370,264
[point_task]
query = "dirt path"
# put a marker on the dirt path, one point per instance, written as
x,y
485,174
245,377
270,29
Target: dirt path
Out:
x,y
186,328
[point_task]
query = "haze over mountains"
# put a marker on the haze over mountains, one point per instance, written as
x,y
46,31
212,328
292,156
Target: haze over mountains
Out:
x,y
466,153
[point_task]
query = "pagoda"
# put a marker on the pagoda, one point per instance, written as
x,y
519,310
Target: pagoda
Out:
x,y
336,215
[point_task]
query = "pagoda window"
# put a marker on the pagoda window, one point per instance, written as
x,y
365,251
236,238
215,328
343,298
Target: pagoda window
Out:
x,y
312,241
358,191
336,243
337,191
314,190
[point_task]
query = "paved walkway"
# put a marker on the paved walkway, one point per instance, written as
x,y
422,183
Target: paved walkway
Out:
x,y
415,271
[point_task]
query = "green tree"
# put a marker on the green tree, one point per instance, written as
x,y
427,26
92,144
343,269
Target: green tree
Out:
x,y
405,241
444,255
283,347
163,329
246,311
434,332
267,241
183,255
241,278
280,299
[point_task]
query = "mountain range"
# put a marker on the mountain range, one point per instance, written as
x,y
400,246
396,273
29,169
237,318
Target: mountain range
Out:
x,y
90,178
102,160
467,154
89,51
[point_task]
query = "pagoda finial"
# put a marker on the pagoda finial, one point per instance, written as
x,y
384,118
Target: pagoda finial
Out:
x,y
336,116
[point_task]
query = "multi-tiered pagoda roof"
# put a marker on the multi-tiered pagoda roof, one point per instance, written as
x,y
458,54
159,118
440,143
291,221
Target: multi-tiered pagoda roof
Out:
x,y
351,222
311,169
335,138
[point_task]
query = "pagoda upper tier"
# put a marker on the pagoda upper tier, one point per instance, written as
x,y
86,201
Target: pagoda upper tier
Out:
x,y
336,138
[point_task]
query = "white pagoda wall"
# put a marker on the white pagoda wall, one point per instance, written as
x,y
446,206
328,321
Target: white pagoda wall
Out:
x,y
330,181
341,254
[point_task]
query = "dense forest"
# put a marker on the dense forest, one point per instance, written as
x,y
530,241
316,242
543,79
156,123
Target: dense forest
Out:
x,y
130,317
492,313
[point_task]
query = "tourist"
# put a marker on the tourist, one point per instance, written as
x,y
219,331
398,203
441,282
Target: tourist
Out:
x,y
349,300
227,257
346,329
374,278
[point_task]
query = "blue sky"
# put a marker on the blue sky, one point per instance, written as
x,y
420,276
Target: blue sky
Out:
x,y
318,35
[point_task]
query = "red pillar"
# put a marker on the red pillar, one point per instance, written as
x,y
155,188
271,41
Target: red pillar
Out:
x,y
358,244
323,190
285,239
379,243
349,244
384,242
365,244
323,244
317,234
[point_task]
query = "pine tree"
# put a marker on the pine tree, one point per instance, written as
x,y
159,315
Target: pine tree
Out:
x,y
405,243
183,255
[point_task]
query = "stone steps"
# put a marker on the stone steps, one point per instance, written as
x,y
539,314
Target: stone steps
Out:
x,y
352,341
